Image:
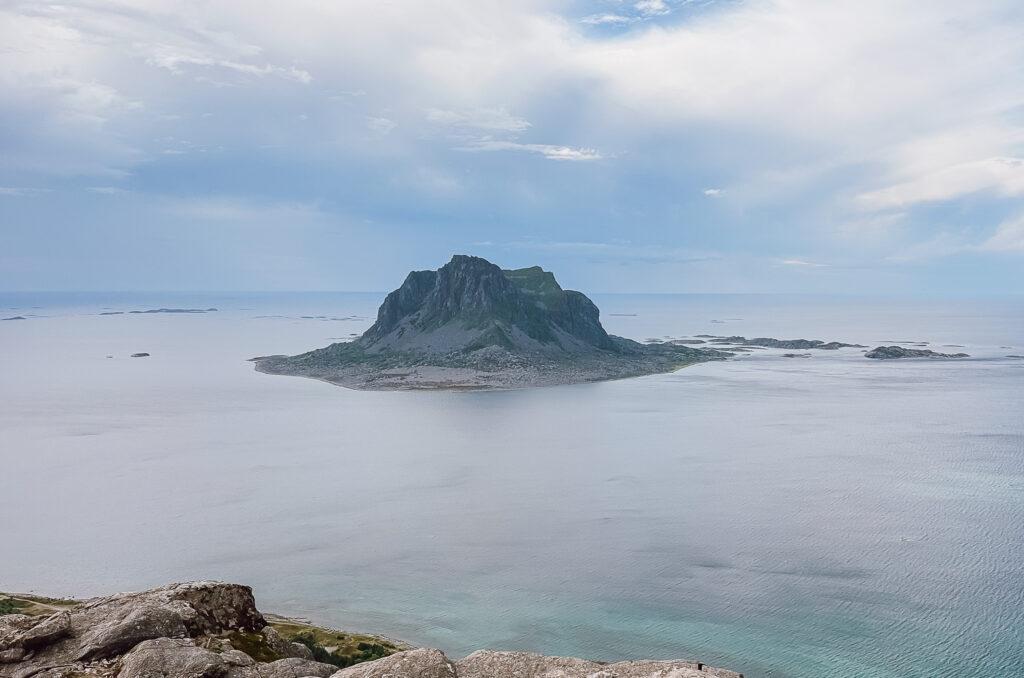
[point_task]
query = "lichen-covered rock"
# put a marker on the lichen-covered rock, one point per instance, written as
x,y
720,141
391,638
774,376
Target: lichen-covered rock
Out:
x,y
12,626
218,606
664,669
283,647
295,667
11,655
117,635
237,658
51,629
115,624
172,658
493,664
301,651
108,627
419,663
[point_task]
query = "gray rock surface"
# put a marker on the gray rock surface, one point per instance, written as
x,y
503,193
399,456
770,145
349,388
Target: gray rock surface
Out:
x,y
419,663
106,628
283,647
295,667
172,658
46,632
114,636
424,663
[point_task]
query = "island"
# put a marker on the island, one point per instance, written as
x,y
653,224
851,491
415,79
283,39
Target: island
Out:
x,y
799,344
898,352
472,325
210,629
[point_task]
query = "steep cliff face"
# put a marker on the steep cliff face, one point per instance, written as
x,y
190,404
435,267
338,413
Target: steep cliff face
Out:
x,y
470,304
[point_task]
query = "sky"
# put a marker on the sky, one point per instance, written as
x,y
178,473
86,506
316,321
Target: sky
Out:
x,y
791,146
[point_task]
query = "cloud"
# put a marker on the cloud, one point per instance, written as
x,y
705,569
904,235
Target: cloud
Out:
x,y
800,263
606,19
348,95
607,251
1009,237
652,7
176,61
840,130
937,247
549,151
495,129
106,190
21,191
380,125
485,119
1004,176
243,210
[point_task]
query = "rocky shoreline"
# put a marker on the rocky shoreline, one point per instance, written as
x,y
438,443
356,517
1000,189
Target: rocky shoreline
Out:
x,y
213,629
508,373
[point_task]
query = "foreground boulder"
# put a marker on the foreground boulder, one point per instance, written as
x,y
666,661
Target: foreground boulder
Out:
x,y
178,657
427,663
104,629
182,658
491,664
213,630
419,663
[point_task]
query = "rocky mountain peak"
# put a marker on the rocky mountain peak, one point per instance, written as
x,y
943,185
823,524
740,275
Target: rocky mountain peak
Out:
x,y
470,303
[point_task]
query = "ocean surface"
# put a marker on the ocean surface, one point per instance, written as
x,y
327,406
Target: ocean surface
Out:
x,y
818,517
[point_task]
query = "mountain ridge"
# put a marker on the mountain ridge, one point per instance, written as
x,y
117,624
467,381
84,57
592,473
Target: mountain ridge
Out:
x,y
521,309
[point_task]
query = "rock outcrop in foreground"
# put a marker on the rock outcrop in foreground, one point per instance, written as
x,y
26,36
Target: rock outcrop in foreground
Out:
x,y
213,630
471,324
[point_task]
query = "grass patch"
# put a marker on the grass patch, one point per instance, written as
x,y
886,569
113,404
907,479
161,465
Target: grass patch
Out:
x,y
336,647
253,644
32,605
44,600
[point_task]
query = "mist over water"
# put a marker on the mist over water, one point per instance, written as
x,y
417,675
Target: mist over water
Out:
x,y
815,517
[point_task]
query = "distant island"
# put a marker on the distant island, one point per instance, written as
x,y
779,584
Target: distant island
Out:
x,y
898,352
472,325
163,310
767,342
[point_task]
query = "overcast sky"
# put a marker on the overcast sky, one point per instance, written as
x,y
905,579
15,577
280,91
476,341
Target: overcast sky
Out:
x,y
651,145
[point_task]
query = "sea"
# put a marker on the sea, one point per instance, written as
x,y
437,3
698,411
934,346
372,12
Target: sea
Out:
x,y
788,517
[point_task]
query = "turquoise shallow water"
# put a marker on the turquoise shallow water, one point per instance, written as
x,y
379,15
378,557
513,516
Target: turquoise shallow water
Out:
x,y
819,517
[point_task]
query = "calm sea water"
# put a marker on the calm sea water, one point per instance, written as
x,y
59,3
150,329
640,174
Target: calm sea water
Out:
x,y
808,518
